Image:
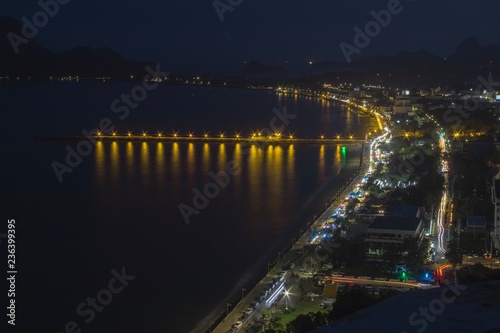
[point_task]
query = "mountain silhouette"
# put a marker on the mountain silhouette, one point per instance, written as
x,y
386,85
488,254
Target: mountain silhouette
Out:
x,y
36,61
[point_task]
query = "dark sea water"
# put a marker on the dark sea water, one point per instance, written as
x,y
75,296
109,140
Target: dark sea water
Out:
x,y
118,209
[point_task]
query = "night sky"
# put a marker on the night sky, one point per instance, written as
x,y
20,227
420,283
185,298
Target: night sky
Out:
x,y
189,33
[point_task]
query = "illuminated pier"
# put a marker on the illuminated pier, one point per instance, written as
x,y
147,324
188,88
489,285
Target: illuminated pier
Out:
x,y
175,137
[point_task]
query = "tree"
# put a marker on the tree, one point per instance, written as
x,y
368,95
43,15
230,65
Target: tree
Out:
x,y
454,253
415,252
349,303
392,254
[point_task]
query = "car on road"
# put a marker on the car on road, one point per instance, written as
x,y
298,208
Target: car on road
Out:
x,y
356,287
369,288
237,324
248,311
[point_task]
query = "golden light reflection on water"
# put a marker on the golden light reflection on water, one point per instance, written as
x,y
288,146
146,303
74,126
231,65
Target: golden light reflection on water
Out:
x,y
269,174
100,160
255,174
115,162
321,164
222,158
206,157
279,172
337,159
144,164
160,164
129,154
176,165
237,157
191,165
274,175
290,169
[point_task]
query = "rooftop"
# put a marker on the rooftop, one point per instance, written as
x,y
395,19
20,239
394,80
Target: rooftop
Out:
x,y
476,221
460,309
395,223
497,188
402,210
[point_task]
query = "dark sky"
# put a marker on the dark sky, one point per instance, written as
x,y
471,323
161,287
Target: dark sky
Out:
x,y
189,33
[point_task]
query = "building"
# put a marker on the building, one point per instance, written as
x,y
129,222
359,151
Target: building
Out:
x,y
385,230
450,308
405,210
474,149
476,225
495,197
402,105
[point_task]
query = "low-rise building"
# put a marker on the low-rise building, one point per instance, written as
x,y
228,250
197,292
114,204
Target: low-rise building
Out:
x,y
495,197
402,105
476,225
405,210
386,230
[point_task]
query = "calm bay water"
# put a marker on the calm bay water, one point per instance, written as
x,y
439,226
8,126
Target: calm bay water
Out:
x,y
119,207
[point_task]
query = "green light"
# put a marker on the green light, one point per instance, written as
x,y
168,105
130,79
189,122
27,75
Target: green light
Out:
x,y
343,152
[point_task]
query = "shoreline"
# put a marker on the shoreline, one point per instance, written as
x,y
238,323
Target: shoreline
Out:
x,y
341,191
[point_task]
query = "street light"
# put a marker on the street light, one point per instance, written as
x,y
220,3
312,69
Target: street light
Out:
x,y
287,293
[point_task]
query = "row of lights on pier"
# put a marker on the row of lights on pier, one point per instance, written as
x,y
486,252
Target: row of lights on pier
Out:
x,y
222,135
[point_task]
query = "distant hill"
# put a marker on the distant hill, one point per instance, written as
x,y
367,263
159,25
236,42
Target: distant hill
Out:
x,y
421,68
470,53
38,62
403,61
257,67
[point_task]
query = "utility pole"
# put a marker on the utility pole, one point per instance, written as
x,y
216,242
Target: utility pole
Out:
x,y
491,246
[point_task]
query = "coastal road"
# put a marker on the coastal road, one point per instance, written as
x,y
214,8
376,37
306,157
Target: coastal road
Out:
x,y
441,237
275,292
